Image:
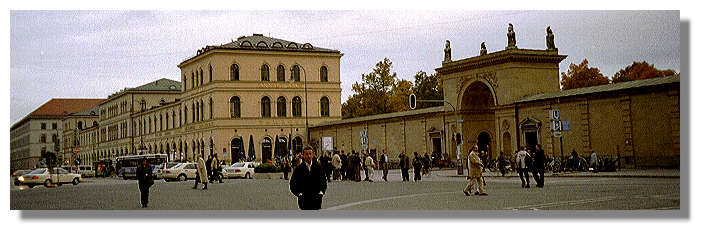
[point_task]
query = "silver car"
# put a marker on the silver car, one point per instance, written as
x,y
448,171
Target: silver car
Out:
x,y
42,176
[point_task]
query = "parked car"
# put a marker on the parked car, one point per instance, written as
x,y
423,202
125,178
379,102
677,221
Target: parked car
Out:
x,y
180,172
162,167
240,170
86,171
16,175
42,176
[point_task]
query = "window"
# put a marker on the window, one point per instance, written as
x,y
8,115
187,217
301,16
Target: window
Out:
x,y
210,108
235,107
295,73
210,73
201,110
265,72
80,125
266,107
234,73
281,106
43,138
53,138
280,73
197,111
166,121
192,81
143,104
44,126
160,122
324,74
296,107
173,119
324,107
193,112
201,81
53,126
183,83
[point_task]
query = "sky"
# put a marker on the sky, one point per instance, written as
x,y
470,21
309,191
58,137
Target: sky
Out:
x,y
92,54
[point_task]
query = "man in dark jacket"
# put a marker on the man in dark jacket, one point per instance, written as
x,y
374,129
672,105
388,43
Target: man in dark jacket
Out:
x,y
404,164
417,163
538,166
209,169
144,180
308,182
344,165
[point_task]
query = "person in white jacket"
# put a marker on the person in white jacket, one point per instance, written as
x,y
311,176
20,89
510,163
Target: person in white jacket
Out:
x,y
370,163
337,164
201,174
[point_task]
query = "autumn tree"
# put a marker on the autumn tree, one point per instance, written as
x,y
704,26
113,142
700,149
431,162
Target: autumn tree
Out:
x,y
640,71
582,76
399,96
427,88
371,95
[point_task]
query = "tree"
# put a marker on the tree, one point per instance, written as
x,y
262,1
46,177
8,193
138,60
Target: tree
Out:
x,y
582,76
427,88
640,71
373,93
399,97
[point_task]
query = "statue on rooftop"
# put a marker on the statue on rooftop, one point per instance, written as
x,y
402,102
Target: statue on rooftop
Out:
x,y
550,44
447,58
483,49
511,38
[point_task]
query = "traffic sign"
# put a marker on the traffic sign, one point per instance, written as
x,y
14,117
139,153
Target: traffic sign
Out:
x,y
565,125
556,125
557,134
363,133
555,114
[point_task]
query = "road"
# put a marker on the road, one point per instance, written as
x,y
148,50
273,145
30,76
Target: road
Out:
x,y
432,193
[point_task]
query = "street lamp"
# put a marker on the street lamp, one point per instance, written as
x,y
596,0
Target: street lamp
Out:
x,y
458,136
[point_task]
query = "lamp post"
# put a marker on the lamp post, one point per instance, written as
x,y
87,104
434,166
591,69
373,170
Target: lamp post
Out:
x,y
458,136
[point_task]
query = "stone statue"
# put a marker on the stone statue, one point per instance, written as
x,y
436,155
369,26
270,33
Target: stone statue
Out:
x,y
550,44
446,58
511,38
483,49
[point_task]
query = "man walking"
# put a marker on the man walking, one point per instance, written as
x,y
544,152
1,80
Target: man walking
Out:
x,y
538,169
201,173
418,163
523,167
286,167
209,168
308,182
145,180
343,165
337,163
383,160
370,163
404,165
475,173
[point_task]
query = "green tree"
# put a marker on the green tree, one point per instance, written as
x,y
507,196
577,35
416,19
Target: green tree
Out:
x,y
640,71
427,88
372,94
399,96
582,76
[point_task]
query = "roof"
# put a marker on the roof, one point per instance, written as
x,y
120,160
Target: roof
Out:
x,y
159,85
93,111
384,116
604,88
260,42
60,107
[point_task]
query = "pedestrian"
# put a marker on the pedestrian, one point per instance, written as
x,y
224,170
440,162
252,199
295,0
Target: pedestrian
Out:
x,y
286,167
501,164
308,182
216,169
593,161
363,159
522,167
337,163
426,164
343,165
144,180
383,160
356,164
574,159
201,173
404,165
474,173
539,165
370,163
325,163
209,168
417,166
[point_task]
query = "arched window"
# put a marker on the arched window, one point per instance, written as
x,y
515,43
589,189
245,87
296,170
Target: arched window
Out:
x,y
210,108
149,122
143,105
193,112
210,73
201,81
196,111
183,83
265,72
234,73
280,73
296,73
201,110
324,74
160,122
80,125
166,121
193,81
235,107
185,113
139,126
266,107
296,107
281,106
324,107
197,78
173,119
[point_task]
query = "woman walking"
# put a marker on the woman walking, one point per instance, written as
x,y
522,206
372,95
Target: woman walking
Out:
x,y
144,180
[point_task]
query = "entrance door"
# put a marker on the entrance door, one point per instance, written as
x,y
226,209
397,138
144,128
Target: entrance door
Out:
x,y
531,139
436,146
266,149
235,150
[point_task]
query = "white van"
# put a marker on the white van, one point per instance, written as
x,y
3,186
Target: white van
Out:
x,y
86,170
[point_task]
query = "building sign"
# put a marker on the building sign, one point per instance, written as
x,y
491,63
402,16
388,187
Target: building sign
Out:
x,y
327,143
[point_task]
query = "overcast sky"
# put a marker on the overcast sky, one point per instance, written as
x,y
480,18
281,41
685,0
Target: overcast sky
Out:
x,y
87,54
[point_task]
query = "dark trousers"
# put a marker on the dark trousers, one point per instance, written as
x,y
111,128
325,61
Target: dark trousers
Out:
x,y
538,177
144,195
310,202
385,171
367,175
524,175
198,180
417,173
405,174
286,175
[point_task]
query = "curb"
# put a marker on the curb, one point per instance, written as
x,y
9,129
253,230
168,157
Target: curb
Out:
x,y
576,176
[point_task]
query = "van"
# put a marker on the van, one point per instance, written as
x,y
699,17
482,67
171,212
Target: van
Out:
x,y
86,171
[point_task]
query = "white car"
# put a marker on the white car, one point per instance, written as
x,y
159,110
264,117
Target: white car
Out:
x,y
163,167
180,172
240,170
42,176
86,171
